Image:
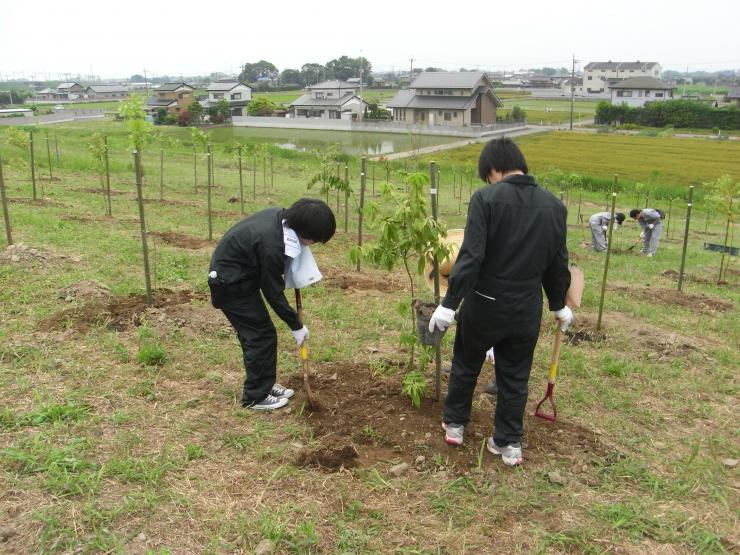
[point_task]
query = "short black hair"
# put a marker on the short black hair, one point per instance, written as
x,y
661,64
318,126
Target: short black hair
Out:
x,y
311,219
634,212
619,217
503,155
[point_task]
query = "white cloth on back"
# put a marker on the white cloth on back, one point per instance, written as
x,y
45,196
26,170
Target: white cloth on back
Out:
x,y
301,270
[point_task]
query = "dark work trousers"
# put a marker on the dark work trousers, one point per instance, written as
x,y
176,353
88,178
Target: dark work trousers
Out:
x,y
244,308
511,325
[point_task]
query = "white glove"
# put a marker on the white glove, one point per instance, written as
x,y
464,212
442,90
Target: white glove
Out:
x,y
441,318
565,317
604,227
490,357
300,335
651,226
642,235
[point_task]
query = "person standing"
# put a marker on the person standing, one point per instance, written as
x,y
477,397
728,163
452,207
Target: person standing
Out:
x,y
599,224
651,224
250,261
514,246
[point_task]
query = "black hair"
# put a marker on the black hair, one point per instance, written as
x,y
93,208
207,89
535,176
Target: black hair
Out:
x,y
311,219
634,212
619,217
502,155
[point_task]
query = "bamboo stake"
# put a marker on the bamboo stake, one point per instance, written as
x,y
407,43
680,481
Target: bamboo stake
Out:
x,y
685,238
142,226
6,213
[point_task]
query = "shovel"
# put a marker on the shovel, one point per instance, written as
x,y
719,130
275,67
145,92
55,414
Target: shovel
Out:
x,y
573,300
304,354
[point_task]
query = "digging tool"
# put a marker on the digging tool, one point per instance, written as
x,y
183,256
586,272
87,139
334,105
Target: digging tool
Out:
x,y
304,354
573,300
634,244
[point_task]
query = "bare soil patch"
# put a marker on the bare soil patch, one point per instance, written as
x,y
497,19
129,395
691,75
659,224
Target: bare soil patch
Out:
x,y
119,313
221,213
673,274
365,280
181,240
86,218
85,290
169,202
45,202
20,253
676,298
98,191
366,420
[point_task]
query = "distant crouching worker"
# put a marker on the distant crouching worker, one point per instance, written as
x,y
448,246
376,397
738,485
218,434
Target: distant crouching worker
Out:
x,y
651,223
599,225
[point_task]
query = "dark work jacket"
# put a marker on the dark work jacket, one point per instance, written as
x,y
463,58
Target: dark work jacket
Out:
x,y
251,257
514,246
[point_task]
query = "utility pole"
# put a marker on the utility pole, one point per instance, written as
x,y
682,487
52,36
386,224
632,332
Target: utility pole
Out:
x,y
411,69
572,90
146,84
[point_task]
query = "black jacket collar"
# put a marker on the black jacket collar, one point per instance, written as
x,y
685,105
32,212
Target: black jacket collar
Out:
x,y
520,180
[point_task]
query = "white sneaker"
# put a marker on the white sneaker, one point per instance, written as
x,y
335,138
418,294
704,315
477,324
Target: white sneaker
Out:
x,y
268,403
453,433
511,454
281,392
650,254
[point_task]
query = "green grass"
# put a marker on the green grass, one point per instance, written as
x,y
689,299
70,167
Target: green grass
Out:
x,y
97,448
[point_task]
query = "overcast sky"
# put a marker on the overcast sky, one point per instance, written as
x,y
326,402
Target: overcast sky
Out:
x,y
46,38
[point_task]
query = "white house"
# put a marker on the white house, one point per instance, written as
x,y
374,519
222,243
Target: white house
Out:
x,y
638,91
597,76
330,100
236,93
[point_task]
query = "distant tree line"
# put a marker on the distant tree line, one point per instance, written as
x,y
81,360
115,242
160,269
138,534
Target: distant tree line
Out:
x,y
675,113
341,68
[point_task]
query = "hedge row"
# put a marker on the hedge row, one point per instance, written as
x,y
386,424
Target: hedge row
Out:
x,y
676,113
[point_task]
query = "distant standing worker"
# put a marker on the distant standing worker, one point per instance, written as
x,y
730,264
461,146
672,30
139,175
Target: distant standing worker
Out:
x,y
599,225
651,223
254,258
514,246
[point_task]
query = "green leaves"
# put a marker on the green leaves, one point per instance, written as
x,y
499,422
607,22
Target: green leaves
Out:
x,y
414,386
133,113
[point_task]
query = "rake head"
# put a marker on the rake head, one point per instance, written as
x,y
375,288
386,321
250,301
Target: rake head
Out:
x,y
544,415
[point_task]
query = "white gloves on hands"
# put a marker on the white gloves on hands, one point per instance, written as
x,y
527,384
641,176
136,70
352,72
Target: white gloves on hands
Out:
x,y
300,335
642,235
490,357
604,227
651,226
565,317
441,318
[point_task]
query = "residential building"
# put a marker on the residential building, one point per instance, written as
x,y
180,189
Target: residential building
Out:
x,y
236,93
455,98
175,97
638,91
733,95
331,100
98,92
72,90
597,76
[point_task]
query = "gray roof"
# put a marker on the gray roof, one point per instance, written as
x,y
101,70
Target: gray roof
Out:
x,y
107,88
407,98
173,86
448,80
217,86
159,101
733,94
335,84
67,85
47,91
643,82
613,66
308,100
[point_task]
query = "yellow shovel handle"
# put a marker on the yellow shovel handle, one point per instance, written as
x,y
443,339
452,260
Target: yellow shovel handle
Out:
x,y
304,352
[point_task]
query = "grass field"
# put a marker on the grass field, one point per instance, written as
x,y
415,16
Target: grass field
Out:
x,y
121,431
680,162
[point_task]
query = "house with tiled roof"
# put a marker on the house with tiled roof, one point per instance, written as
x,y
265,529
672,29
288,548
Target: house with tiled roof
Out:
x,y
63,91
330,100
236,93
597,76
733,95
175,97
638,91
455,98
98,92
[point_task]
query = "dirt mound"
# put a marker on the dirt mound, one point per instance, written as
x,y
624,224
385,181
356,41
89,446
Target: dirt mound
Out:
x,y
673,274
85,290
188,318
169,202
221,214
366,280
118,314
21,253
365,420
37,202
181,240
85,219
98,191
676,298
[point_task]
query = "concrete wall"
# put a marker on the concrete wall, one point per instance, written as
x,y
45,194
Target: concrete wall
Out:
x,y
59,117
